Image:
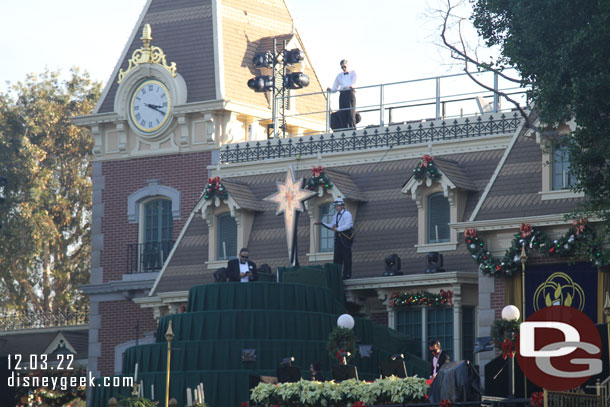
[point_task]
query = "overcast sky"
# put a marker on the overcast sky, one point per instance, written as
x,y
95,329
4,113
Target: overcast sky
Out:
x,y
384,40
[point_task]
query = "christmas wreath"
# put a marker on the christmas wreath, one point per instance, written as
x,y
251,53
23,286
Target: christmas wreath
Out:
x,y
318,179
421,298
341,340
503,334
579,242
426,168
215,188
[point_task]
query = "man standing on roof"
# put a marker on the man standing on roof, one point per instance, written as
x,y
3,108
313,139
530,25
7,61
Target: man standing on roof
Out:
x,y
342,224
345,83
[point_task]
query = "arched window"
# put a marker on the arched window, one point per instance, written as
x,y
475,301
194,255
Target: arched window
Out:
x,y
227,237
326,236
157,233
438,218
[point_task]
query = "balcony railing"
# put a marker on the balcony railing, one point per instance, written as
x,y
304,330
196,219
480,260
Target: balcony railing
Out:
x,y
29,320
147,257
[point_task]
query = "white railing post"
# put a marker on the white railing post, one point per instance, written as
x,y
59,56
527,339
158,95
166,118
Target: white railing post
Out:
x,y
438,97
381,105
328,111
496,96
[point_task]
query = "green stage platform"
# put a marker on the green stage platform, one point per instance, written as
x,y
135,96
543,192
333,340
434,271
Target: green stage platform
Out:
x,y
292,317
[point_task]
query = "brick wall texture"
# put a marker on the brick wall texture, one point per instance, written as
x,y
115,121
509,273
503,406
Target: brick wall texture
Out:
x,y
497,299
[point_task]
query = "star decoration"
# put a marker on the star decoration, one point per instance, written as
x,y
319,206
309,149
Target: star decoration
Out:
x,y
289,199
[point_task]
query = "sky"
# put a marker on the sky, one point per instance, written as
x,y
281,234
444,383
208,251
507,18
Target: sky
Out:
x,y
384,40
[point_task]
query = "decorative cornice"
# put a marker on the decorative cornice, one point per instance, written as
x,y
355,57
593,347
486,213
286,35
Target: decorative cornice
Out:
x,y
147,54
515,223
117,286
412,280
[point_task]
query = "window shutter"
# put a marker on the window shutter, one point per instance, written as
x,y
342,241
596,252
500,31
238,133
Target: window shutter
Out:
x,y
439,217
227,237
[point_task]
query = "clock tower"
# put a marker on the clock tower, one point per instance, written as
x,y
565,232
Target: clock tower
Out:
x,y
177,94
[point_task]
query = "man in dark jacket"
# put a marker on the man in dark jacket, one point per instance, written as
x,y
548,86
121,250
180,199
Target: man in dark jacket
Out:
x,y
439,356
242,269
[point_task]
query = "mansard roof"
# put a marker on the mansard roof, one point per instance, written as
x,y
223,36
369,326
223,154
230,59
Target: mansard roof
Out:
x,y
183,29
242,195
386,220
452,170
515,192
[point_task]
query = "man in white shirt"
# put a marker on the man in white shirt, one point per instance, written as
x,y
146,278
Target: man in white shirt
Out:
x,y
342,224
345,83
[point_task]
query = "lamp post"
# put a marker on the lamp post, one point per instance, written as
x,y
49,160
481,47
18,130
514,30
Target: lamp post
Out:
x,y
169,336
280,81
511,313
607,314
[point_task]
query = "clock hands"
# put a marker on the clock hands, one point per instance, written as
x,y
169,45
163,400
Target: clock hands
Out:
x,y
155,107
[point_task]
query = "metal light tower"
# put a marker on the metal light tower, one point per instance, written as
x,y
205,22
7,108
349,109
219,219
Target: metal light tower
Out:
x,y
280,82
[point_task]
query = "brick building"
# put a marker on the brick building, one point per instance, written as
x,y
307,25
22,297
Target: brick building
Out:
x,y
155,235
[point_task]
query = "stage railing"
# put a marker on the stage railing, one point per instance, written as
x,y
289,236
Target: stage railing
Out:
x,y
571,398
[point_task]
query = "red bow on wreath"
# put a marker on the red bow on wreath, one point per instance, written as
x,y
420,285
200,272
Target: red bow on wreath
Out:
x,y
317,171
425,160
537,399
580,225
359,404
526,230
507,348
470,232
445,403
338,355
215,180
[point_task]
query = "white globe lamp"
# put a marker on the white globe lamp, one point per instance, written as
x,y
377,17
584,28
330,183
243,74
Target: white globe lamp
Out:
x,y
345,321
510,313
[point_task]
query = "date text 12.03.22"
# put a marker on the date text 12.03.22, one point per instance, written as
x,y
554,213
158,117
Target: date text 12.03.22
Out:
x,y
41,362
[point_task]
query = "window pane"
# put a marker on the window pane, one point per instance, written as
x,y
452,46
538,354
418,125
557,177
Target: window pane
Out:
x,y
408,321
326,237
440,326
227,237
158,234
438,218
561,168
468,333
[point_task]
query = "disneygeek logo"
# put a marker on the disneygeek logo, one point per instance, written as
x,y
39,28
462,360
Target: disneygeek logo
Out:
x,y
559,348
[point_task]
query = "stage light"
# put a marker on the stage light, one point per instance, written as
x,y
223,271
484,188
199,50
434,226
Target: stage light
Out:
x,y
296,80
263,59
293,56
434,262
287,361
262,83
392,266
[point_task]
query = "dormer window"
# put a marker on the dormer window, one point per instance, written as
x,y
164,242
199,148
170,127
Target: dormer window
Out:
x,y
439,216
326,237
227,237
562,179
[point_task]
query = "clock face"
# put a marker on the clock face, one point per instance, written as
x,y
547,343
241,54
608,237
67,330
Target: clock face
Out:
x,y
150,106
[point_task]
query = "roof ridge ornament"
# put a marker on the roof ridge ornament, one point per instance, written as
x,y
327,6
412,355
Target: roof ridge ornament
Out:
x,y
147,54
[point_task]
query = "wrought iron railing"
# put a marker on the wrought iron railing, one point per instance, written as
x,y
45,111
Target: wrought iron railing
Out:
x,y
409,133
147,257
28,320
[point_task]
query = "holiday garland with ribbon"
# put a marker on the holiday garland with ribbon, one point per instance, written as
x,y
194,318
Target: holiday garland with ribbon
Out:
x,y
421,298
215,188
341,340
579,242
318,179
426,168
537,399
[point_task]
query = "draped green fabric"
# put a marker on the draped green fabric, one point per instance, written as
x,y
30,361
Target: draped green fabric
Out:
x,y
277,320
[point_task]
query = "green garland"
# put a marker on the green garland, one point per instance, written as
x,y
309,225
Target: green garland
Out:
x,y
215,188
318,179
426,168
502,329
579,242
421,298
341,340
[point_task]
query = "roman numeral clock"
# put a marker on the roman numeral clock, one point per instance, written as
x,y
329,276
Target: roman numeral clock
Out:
x,y
150,106
149,89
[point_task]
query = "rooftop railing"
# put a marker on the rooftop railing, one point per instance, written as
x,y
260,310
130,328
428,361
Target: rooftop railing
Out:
x,y
35,319
401,113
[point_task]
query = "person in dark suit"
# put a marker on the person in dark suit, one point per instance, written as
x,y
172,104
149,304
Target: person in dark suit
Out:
x,y
439,356
242,269
315,370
